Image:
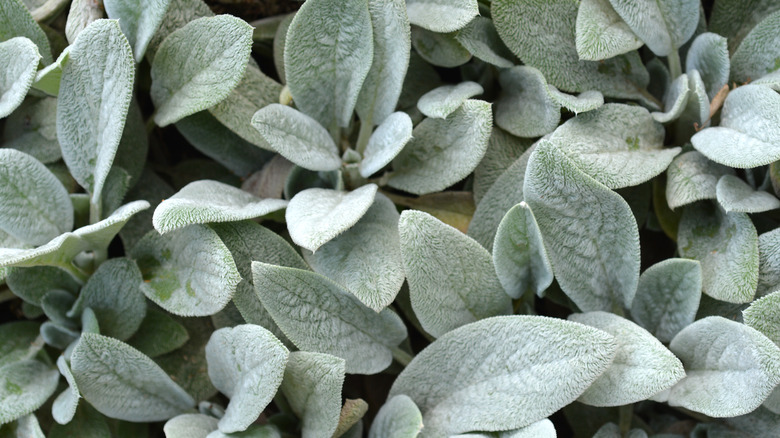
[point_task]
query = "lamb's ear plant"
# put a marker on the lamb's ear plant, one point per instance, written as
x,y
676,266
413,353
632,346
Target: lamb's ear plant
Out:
x,y
390,218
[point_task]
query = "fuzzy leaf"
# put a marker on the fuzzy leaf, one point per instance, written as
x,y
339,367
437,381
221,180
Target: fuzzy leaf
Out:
x,y
316,216
19,341
520,22
190,426
667,297
664,25
207,201
91,111
27,384
769,263
439,49
187,366
642,366
495,364
762,315
589,231
64,407
617,145
35,206
32,284
385,143
726,244
759,52
692,177
297,137
601,33
178,14
32,128
443,101
465,291
518,254
675,100
139,20
328,53
481,39
120,382
342,327
749,131
732,368
15,20
736,195
392,45
246,363
710,57
113,292
399,417
188,272
19,57
441,15
442,152
366,259
735,18
198,65
525,108
312,385
503,150
584,102
158,334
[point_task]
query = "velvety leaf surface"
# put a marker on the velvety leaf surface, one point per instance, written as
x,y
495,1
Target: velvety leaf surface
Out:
x,y
583,222
443,101
525,108
139,20
64,407
207,201
483,376
439,49
15,20
120,382
758,53
736,195
768,263
451,278
339,324
601,33
178,14
481,39
32,129
19,341
312,385
675,100
27,385
503,149
762,315
663,25
726,244
441,15
731,368
735,18
709,55
158,334
693,177
190,426
198,65
19,57
583,102
385,143
399,417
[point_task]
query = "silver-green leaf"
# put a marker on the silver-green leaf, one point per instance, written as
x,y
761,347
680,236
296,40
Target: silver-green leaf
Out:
x,y
481,39
443,101
693,177
441,15
385,143
601,33
190,426
27,384
768,263
19,57
525,108
399,417
758,53
312,385
64,407
736,195
439,49
675,100
762,315
15,20
709,55
664,25
139,20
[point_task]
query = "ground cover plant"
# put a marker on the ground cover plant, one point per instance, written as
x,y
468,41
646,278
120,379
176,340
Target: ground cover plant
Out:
x,y
389,218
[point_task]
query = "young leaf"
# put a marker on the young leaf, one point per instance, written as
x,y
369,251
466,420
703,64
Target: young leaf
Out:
x,y
312,385
139,20
736,195
48,78
120,382
617,145
692,177
385,143
762,315
519,22
663,25
158,334
399,417
58,336
481,39
90,132
496,363
584,102
518,254
64,407
19,341
297,137
188,272
246,363
505,193
443,152
82,13
206,201
198,65
316,216
344,327
749,131
444,299
642,366
439,49
55,305
19,57
758,53
27,384
392,45
525,108
589,231
667,297
190,426
328,53
726,244
35,206
710,57
32,129
503,150
440,102
675,100
371,248
113,292
15,20
441,15
732,368
601,33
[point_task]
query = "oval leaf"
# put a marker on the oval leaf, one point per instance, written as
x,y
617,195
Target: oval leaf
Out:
x,y
601,33
443,101
758,53
439,49
27,384
664,25
385,143
15,20
399,417
736,195
525,108
693,177
190,426
709,56
441,15
762,315
139,20
19,57
64,407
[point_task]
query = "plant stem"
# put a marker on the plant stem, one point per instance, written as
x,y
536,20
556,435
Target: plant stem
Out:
x,y
626,415
95,211
366,128
48,10
77,274
675,68
401,356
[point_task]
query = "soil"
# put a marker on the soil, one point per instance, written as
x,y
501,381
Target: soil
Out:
x,y
250,10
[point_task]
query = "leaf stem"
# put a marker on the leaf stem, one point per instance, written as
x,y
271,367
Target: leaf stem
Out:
x,y
401,356
77,274
626,414
366,129
95,211
675,68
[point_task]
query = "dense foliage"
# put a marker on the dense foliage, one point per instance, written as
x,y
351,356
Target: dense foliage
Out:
x,y
434,218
